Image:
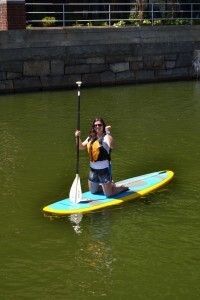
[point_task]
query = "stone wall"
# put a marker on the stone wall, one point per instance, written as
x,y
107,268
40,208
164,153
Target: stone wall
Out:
x,y
41,59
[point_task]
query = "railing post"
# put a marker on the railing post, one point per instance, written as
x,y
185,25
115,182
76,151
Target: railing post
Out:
x,y
109,15
63,15
191,13
152,10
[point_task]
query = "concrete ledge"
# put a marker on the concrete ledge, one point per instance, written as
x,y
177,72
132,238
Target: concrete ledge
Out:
x,y
72,36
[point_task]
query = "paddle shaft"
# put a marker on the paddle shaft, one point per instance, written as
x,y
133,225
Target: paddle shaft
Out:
x,y
78,126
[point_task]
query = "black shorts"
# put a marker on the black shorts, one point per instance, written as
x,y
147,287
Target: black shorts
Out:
x,y
102,176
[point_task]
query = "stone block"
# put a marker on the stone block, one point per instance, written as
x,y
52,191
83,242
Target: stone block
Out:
x,y
2,75
136,49
70,61
119,67
175,73
166,48
125,77
6,86
16,67
99,68
170,56
13,75
78,69
137,65
91,79
144,75
57,67
184,60
107,77
170,64
154,62
95,60
134,58
27,84
36,68
55,82
112,59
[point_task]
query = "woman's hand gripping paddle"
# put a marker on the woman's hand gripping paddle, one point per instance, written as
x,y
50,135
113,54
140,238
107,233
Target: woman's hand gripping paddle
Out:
x,y
75,194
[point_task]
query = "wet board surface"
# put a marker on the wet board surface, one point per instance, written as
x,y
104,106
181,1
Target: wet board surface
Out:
x,y
138,186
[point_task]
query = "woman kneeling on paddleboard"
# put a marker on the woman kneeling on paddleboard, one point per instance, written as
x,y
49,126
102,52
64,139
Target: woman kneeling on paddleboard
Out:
x,y
99,144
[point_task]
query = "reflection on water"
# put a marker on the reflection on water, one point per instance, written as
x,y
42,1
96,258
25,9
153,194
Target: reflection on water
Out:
x,y
76,219
196,62
95,256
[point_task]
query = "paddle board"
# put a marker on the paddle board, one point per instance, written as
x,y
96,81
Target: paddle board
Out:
x,y
138,186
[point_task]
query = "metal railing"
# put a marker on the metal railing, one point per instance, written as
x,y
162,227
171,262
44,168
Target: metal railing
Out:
x,y
111,14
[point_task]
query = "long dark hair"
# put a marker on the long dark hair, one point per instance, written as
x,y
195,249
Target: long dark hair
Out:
x,y
93,133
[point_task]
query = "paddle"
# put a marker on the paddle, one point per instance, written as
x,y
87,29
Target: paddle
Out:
x,y
75,194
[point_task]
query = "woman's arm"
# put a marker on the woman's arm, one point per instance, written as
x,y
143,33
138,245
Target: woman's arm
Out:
x,y
109,139
82,145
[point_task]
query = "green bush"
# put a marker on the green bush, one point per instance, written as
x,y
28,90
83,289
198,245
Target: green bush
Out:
x,y
78,25
104,24
146,22
157,22
119,24
182,22
135,19
48,21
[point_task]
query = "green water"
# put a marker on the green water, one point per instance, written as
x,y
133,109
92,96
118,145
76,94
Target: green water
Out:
x,y
144,249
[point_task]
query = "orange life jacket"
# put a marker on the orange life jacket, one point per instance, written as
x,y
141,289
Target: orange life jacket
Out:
x,y
96,151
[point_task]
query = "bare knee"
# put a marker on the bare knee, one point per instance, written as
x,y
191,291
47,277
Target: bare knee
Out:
x,y
93,187
94,190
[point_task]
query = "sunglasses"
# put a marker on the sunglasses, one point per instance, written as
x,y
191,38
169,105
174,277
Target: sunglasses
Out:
x,y
97,125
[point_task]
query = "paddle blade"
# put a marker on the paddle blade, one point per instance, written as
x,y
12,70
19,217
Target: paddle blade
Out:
x,y
75,194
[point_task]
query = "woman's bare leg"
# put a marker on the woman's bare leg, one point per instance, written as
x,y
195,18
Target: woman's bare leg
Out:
x,y
94,187
110,189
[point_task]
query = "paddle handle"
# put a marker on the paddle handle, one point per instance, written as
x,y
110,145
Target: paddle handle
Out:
x,y
78,125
